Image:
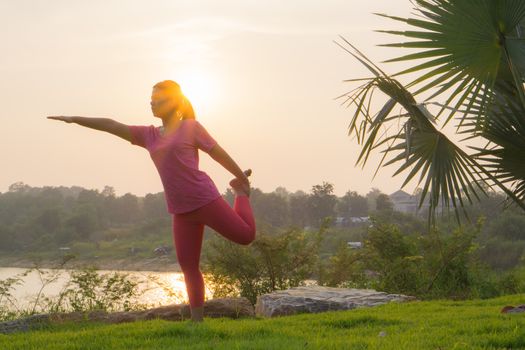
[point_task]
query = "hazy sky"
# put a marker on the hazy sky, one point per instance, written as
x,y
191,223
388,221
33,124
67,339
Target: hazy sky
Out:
x,y
262,76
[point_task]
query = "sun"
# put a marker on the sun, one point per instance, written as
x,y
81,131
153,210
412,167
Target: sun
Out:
x,y
199,87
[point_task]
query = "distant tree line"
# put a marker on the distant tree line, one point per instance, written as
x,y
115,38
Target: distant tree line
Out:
x,y
45,218
32,217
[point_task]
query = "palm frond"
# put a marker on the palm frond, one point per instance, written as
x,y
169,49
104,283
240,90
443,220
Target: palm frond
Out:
x,y
467,44
473,50
503,126
449,174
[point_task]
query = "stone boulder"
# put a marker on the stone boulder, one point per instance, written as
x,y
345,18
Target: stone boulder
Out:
x,y
311,299
513,310
220,307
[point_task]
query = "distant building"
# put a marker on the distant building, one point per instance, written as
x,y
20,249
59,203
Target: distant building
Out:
x,y
359,219
342,221
355,245
408,203
404,202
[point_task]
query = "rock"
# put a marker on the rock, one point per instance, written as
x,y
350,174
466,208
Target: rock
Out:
x,y
513,310
24,324
311,299
220,307
229,307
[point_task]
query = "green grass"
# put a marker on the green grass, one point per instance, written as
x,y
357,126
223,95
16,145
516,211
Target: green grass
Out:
x,y
433,325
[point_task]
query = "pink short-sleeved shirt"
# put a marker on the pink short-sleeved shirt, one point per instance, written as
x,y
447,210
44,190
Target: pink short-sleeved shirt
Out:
x,y
176,158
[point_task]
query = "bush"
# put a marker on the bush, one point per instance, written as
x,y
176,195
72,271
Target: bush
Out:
x,y
394,258
344,269
86,290
434,265
271,262
502,254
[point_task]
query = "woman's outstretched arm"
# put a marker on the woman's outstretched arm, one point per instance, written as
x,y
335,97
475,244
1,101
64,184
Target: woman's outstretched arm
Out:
x,y
103,124
224,159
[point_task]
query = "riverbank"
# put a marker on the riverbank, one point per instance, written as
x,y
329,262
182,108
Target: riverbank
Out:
x,y
157,264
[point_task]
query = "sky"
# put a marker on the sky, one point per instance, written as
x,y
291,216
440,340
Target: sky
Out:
x,y
262,76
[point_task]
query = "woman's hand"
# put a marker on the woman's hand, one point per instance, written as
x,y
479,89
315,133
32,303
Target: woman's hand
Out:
x,y
241,185
62,118
245,179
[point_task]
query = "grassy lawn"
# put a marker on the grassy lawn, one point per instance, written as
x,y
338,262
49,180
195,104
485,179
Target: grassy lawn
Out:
x,y
418,325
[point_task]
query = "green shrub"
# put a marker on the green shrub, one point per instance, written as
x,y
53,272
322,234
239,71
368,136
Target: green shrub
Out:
x,y
86,290
89,290
343,269
270,263
435,265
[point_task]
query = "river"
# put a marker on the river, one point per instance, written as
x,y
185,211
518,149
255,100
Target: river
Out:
x,y
168,289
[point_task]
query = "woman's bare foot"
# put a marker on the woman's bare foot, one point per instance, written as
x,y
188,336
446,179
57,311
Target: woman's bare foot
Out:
x,y
197,314
240,187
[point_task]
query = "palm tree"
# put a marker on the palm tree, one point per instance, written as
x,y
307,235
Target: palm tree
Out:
x,y
470,53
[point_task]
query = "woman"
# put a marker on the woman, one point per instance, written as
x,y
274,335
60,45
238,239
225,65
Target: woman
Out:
x,y
191,196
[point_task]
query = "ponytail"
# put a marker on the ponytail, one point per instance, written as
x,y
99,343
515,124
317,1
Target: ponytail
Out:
x,y
186,109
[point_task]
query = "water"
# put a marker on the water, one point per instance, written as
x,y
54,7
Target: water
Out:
x,y
169,288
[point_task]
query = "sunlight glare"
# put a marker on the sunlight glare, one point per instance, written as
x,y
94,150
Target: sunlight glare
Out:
x,y
171,289
200,87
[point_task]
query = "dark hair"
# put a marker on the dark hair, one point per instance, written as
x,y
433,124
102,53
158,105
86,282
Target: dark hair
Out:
x,y
173,89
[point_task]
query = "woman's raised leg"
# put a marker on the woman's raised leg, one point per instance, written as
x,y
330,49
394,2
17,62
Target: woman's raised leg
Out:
x,y
236,224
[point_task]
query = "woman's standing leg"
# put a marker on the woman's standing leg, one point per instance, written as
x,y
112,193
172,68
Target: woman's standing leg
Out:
x,y
187,236
237,224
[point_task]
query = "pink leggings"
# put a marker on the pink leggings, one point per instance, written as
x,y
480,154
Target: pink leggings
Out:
x,y
237,225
